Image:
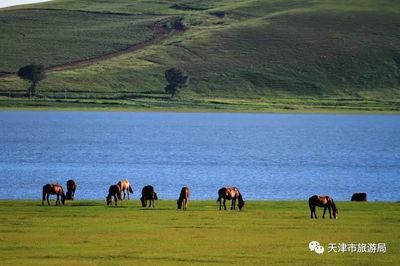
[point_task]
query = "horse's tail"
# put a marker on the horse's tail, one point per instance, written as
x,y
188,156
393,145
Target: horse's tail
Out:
x,y
333,205
130,189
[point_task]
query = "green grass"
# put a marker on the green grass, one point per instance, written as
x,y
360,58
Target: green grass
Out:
x,y
273,49
265,232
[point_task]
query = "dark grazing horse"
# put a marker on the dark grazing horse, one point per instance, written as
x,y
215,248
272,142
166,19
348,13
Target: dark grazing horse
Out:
x,y
115,192
53,189
322,201
71,187
183,198
148,194
124,185
359,197
230,193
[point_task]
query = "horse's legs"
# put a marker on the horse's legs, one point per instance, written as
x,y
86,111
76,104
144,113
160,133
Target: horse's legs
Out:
x,y
220,203
47,197
43,198
127,192
224,202
186,203
115,200
313,212
323,215
330,213
153,202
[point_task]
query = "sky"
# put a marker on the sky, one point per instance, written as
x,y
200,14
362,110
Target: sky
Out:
x,y
5,3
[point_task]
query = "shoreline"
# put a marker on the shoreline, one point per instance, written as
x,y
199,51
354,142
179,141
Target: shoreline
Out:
x,y
191,106
52,199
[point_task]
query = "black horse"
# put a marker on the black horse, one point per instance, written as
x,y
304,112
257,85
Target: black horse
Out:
x,y
148,194
71,187
359,196
113,191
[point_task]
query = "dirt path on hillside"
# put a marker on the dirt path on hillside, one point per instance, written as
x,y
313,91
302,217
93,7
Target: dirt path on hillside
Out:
x,y
160,33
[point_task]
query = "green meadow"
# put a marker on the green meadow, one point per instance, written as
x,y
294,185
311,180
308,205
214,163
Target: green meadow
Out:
x,y
264,232
241,55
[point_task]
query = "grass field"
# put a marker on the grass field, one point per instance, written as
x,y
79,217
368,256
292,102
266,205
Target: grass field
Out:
x,y
265,232
271,50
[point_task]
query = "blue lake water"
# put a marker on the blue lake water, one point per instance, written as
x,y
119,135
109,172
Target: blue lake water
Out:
x,y
267,156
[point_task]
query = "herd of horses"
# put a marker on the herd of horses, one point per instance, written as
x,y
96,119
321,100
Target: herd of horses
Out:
x,y
149,196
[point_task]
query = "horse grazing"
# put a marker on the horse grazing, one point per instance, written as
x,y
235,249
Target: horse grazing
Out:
x,y
148,194
115,192
71,187
230,193
124,185
53,189
359,197
322,201
183,198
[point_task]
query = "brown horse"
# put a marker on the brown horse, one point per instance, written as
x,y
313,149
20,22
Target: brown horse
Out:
x,y
124,185
230,193
53,189
115,192
322,201
148,194
183,198
71,187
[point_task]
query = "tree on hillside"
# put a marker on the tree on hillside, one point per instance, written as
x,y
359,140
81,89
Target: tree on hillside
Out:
x,y
34,74
176,79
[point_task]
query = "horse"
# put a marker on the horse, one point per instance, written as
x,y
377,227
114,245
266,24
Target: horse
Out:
x,y
359,197
322,201
124,185
230,193
148,194
115,192
71,187
183,198
53,189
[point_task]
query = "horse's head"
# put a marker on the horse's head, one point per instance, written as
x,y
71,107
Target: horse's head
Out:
x,y
335,213
155,196
143,202
241,204
179,203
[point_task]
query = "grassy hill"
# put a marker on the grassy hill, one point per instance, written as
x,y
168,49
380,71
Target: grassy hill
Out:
x,y
240,55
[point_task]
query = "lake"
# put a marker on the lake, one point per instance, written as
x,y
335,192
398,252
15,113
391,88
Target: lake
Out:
x,y
267,156
8,3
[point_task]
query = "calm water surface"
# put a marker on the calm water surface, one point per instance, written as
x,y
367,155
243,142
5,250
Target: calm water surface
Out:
x,y
268,156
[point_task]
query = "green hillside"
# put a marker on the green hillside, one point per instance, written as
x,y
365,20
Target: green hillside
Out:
x,y
259,55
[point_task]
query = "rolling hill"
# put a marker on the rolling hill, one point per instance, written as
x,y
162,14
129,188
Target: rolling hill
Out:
x,y
260,55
